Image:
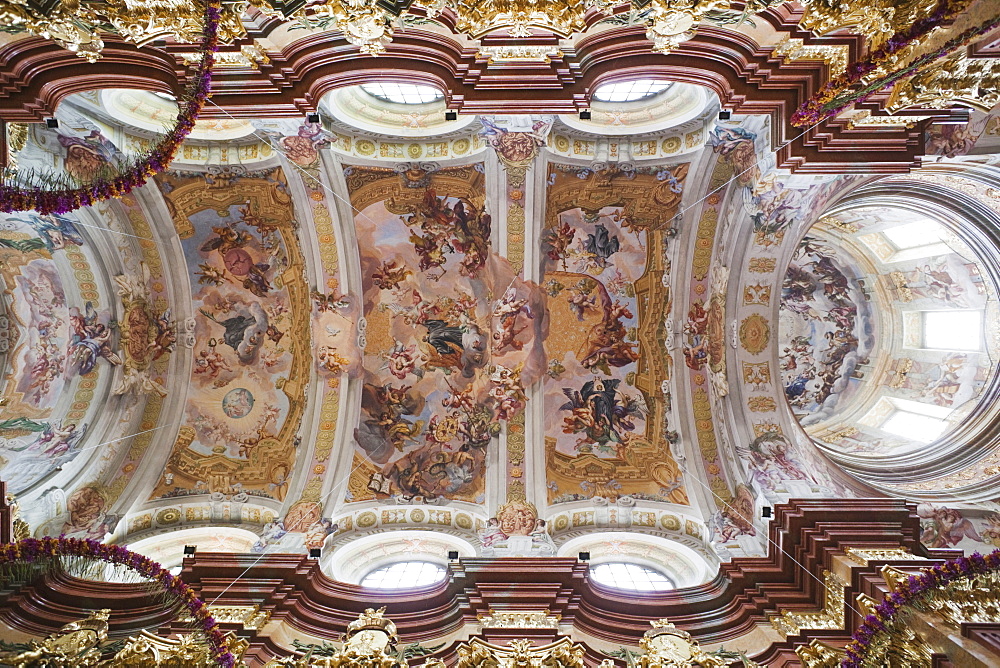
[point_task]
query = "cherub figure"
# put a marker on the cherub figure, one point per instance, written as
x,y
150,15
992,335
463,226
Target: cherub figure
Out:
x,y
166,336
211,362
581,298
331,360
506,311
210,275
506,391
328,303
402,360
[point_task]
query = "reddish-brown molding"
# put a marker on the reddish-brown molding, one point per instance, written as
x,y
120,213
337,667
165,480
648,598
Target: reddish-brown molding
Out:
x,y
743,594
36,74
804,538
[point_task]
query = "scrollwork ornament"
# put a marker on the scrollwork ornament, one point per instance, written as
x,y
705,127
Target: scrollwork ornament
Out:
x,y
666,646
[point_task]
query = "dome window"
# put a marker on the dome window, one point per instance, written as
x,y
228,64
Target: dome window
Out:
x,y
953,330
913,235
914,426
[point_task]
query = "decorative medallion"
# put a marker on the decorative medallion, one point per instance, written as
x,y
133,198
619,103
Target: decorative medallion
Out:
x,y
755,333
238,403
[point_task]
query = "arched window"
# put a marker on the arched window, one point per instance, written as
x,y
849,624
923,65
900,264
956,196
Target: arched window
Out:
x,y
630,91
630,577
404,575
402,93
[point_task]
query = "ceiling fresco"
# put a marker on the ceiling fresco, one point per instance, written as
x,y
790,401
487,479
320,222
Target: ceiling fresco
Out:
x,y
607,283
829,324
252,358
528,334
58,345
452,335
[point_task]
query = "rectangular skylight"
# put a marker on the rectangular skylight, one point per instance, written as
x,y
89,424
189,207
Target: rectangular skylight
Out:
x,y
953,330
911,235
921,428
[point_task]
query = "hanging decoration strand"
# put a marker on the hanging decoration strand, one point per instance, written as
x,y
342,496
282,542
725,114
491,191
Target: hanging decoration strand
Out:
x,y
837,95
45,201
907,594
26,556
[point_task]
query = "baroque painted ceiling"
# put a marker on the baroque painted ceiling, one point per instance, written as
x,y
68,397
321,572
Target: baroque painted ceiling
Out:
x,y
377,332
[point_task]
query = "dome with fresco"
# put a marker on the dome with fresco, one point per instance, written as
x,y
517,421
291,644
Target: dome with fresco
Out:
x,y
887,331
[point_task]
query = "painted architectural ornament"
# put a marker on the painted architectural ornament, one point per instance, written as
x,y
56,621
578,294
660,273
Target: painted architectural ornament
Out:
x,y
520,653
146,335
516,531
755,333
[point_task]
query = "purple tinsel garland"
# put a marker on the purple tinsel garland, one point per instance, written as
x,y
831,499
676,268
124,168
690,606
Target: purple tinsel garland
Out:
x,y
61,201
908,592
32,550
834,97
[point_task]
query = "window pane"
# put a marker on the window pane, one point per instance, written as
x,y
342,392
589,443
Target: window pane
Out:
x,y
632,577
630,91
921,428
912,235
404,575
953,330
402,93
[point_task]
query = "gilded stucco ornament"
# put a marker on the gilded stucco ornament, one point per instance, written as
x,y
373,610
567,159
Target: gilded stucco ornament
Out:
x,y
668,22
518,619
80,644
370,26
75,644
17,137
672,23
189,651
369,643
666,646
75,25
971,81
19,528
818,654
521,653
878,19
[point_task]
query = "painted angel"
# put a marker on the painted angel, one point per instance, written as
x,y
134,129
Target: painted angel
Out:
x,y
402,360
91,341
328,303
166,336
506,311
58,439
